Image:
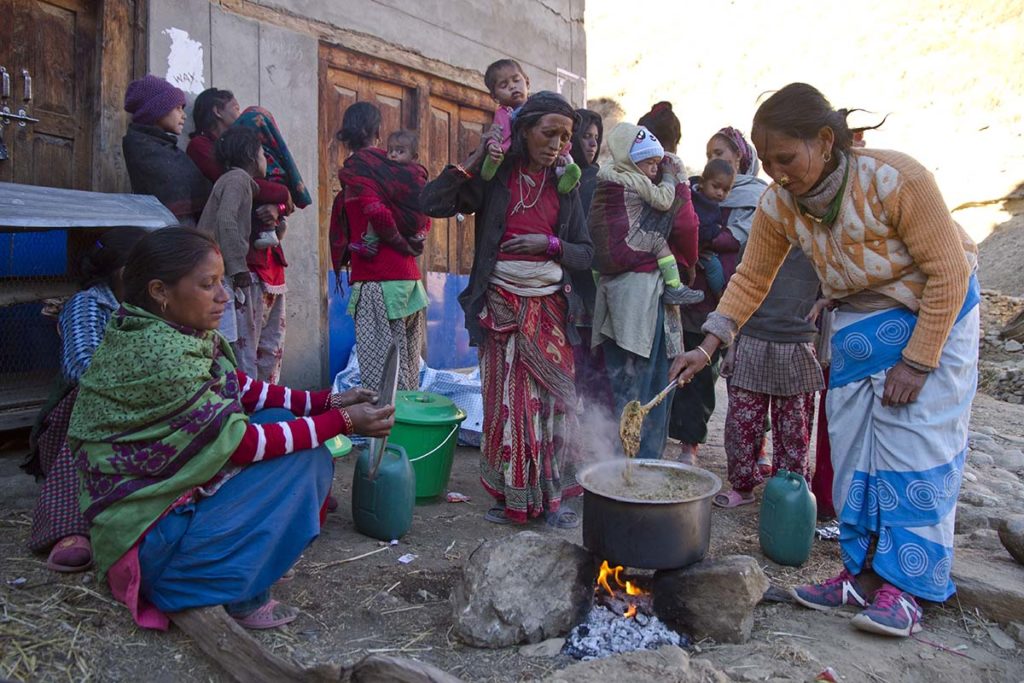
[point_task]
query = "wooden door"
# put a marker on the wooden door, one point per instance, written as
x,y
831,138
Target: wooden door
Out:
x,y
54,40
454,130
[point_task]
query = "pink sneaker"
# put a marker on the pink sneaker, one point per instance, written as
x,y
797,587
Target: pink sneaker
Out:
x,y
892,613
839,591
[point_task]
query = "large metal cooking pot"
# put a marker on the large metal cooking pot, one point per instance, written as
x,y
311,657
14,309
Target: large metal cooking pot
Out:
x,y
646,534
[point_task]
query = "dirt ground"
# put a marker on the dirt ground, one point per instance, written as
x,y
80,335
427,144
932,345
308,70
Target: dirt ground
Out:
x,y
67,628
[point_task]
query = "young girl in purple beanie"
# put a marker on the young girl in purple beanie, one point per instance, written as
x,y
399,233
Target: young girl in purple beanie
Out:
x,y
155,164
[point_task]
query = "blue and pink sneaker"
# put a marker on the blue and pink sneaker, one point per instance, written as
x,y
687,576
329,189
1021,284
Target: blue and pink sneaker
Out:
x,y
892,613
839,591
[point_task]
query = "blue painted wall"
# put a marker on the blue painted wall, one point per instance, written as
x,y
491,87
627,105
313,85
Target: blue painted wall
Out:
x,y
447,340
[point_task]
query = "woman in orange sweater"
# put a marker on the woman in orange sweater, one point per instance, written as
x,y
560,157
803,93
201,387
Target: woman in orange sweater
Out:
x,y
904,349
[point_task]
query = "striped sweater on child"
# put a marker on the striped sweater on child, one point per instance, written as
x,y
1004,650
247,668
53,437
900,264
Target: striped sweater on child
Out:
x,y
315,420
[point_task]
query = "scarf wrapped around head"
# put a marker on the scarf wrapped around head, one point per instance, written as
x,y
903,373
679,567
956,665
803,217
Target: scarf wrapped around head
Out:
x,y
739,144
281,166
157,415
536,107
587,119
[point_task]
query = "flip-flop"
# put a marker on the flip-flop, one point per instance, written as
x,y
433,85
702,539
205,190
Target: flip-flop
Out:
x,y
731,499
563,519
497,515
70,554
270,614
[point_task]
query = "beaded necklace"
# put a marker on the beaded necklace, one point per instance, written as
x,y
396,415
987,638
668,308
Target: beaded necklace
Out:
x,y
522,204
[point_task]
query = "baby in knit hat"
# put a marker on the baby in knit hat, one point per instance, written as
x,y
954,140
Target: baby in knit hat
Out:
x,y
647,155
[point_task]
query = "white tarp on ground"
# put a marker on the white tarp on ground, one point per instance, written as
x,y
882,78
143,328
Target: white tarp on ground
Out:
x,y
462,388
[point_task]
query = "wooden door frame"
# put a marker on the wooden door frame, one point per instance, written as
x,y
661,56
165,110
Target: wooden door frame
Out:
x,y
122,56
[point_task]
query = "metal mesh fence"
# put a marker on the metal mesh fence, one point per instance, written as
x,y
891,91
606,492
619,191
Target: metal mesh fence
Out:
x,y
38,272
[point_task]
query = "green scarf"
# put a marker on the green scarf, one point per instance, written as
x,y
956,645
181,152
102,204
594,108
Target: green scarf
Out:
x,y
157,415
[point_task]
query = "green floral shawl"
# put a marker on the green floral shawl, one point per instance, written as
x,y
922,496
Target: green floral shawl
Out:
x,y
157,415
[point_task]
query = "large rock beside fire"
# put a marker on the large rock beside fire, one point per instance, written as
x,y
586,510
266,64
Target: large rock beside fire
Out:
x,y
523,588
714,598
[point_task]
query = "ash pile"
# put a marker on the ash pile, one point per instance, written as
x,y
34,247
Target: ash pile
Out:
x,y
606,633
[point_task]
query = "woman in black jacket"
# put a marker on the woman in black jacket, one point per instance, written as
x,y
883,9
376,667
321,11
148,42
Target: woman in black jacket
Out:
x,y
521,310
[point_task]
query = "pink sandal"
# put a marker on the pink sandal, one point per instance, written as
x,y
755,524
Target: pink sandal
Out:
x,y
270,614
732,499
70,554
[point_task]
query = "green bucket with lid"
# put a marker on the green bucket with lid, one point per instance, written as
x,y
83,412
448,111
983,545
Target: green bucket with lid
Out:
x,y
427,427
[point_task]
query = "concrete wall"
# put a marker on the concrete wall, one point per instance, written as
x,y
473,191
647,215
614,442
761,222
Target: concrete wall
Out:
x,y
266,53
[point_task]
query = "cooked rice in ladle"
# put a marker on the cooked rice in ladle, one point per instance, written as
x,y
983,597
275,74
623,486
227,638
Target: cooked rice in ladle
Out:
x,y
630,425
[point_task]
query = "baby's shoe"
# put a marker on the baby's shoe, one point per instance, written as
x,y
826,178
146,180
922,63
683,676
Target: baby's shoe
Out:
x,y
490,167
266,239
682,296
569,179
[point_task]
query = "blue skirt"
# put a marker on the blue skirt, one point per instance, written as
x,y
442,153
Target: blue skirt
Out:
x,y
231,547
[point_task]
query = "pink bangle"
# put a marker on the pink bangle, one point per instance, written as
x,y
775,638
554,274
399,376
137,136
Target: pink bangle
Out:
x,y
554,246
281,208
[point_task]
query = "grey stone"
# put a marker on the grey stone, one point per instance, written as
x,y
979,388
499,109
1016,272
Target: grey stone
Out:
x,y
1013,346
1011,534
970,476
979,498
978,458
992,584
982,539
1011,459
714,598
497,602
667,664
546,648
1000,638
986,430
1016,630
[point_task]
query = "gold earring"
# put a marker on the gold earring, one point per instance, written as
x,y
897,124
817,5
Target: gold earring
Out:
x,y
163,306
828,156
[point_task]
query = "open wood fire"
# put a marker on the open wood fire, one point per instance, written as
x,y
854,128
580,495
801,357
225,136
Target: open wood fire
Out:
x,y
622,619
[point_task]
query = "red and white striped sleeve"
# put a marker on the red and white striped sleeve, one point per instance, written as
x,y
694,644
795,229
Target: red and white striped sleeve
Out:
x,y
256,395
274,439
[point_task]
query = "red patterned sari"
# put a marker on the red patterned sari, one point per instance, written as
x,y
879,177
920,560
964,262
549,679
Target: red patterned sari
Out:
x,y
528,450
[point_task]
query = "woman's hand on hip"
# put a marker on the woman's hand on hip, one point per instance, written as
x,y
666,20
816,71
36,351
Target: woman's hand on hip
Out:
x,y
526,244
370,421
903,385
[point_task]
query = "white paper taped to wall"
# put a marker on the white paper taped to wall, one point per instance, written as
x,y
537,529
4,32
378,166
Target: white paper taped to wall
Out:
x,y
185,62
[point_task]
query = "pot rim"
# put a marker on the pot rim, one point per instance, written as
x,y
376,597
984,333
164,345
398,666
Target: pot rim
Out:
x,y
589,471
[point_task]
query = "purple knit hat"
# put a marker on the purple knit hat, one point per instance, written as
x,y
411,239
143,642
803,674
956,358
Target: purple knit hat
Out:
x,y
739,145
150,98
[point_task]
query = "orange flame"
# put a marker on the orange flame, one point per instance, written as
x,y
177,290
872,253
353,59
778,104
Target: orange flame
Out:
x,y
633,589
604,573
630,612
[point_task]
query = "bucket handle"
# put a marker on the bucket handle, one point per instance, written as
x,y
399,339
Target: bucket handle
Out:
x,y
438,446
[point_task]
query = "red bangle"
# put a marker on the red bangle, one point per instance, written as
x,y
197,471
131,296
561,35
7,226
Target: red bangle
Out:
x,y
349,427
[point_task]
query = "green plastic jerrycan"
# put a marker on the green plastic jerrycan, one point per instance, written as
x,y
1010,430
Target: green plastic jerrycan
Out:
x,y
382,507
788,513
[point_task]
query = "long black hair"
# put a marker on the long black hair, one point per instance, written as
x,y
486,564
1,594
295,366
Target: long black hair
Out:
x,y
536,107
663,122
587,118
107,255
238,147
360,126
204,116
800,111
167,255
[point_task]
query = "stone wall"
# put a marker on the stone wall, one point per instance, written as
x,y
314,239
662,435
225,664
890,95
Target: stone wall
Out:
x,y
266,52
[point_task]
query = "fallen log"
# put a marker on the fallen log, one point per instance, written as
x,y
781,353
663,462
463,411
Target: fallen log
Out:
x,y
244,659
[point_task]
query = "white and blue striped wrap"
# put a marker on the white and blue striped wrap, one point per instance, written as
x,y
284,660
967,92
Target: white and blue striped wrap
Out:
x,y
898,469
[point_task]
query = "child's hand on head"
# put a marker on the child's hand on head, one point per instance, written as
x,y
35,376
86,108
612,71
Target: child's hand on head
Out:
x,y
671,165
